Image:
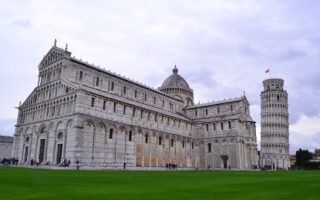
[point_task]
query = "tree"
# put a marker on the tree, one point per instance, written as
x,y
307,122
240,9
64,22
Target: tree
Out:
x,y
302,157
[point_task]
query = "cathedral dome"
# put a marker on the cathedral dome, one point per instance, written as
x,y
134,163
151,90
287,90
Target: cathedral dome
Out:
x,y
177,87
175,81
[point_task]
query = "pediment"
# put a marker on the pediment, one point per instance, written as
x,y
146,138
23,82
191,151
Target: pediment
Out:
x,y
244,98
33,97
29,99
54,54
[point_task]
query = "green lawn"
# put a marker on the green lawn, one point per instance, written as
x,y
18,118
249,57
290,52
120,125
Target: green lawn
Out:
x,y
18,183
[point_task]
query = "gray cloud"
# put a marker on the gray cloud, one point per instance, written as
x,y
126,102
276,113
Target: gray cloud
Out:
x,y
21,22
7,126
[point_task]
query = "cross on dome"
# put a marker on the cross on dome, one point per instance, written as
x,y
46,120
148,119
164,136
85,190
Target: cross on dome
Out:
x,y
175,69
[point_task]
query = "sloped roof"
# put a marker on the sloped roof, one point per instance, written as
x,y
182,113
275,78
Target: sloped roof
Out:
x,y
218,102
134,103
6,139
175,81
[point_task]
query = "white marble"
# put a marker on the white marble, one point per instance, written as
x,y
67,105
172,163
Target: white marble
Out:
x,y
76,107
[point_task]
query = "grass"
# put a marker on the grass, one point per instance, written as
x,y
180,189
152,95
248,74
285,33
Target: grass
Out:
x,y
19,183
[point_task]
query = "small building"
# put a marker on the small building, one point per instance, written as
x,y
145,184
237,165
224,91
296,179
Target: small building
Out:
x,y
316,155
292,160
6,143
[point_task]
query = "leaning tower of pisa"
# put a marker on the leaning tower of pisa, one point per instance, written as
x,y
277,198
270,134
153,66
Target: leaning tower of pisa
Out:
x,y
274,125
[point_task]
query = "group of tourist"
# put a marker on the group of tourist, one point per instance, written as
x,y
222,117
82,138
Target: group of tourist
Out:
x,y
65,163
32,162
171,166
9,161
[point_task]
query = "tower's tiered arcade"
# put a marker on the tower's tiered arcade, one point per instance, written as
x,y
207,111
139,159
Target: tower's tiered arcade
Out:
x,y
274,125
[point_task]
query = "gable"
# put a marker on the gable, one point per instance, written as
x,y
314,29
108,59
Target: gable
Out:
x,y
36,95
52,56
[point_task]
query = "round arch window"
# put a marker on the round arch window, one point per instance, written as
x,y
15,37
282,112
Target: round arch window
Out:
x,y
60,135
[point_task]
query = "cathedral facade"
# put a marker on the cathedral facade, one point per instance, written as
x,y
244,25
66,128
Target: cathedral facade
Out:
x,y
85,114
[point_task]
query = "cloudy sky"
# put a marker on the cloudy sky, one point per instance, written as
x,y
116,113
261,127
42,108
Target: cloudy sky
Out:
x,y
222,48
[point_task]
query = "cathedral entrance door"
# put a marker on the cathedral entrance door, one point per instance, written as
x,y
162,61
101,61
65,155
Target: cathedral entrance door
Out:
x,y
59,153
41,151
225,164
26,151
225,161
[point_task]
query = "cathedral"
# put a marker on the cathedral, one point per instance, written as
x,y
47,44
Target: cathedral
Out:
x,y
99,119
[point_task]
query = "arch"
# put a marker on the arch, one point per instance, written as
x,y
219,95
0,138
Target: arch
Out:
x,y
86,120
34,129
60,125
42,130
101,125
69,123
21,131
27,142
28,131
139,130
99,142
88,142
50,126
189,101
122,129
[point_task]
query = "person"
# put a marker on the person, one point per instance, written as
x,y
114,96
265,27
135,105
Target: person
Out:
x,y
124,166
69,162
5,161
31,161
78,165
65,163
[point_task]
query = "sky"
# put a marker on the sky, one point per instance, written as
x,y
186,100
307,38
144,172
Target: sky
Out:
x,y
222,49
